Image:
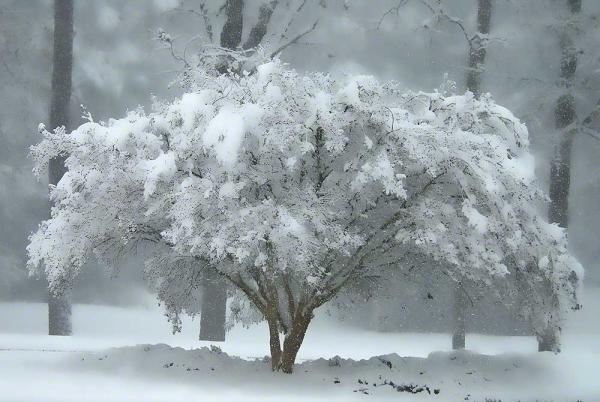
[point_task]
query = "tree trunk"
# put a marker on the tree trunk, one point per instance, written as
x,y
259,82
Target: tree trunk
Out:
x,y
565,120
283,360
478,47
214,306
214,292
231,35
548,341
59,305
459,317
477,53
565,117
258,31
59,314
274,343
292,343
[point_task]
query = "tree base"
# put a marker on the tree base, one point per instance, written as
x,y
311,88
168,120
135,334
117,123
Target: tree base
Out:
x,y
548,342
59,315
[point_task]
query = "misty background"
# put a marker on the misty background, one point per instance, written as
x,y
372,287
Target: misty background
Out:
x,y
120,65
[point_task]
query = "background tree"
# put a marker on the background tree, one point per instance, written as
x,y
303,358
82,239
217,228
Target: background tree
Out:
x,y
477,51
565,116
59,301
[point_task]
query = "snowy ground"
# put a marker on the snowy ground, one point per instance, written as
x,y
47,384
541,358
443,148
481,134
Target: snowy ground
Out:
x,y
101,362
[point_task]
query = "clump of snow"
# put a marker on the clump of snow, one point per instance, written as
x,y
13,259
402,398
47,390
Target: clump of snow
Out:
x,y
153,171
476,219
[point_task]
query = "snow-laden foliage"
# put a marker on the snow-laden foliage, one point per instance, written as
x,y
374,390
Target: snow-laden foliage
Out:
x,y
293,186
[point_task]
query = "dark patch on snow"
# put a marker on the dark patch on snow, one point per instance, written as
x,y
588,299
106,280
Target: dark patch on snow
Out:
x,y
411,388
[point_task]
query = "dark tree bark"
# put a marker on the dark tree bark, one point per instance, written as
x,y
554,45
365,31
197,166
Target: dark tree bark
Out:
x,y
259,31
293,341
565,116
477,54
59,305
478,47
565,119
231,35
283,359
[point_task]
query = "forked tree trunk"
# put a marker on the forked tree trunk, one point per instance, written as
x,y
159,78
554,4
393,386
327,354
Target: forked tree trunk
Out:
x,y
59,305
283,359
214,306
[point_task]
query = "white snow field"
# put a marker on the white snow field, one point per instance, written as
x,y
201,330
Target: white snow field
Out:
x,y
130,355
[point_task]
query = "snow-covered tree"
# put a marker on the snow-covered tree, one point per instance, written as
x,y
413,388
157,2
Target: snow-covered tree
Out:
x,y
295,186
273,37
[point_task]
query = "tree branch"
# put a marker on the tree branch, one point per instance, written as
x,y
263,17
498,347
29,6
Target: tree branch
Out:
x,y
295,40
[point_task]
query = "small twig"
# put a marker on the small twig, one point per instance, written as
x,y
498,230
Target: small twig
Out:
x,y
295,40
395,9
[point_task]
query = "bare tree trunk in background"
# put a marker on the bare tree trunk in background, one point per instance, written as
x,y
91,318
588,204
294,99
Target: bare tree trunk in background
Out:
x,y
478,47
231,35
214,306
477,53
259,31
460,317
565,120
59,305
214,296
214,289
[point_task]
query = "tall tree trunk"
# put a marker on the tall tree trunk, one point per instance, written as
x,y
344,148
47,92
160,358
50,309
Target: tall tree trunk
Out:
x,y
231,35
214,306
459,318
565,118
212,324
59,305
478,47
214,292
477,52
258,31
